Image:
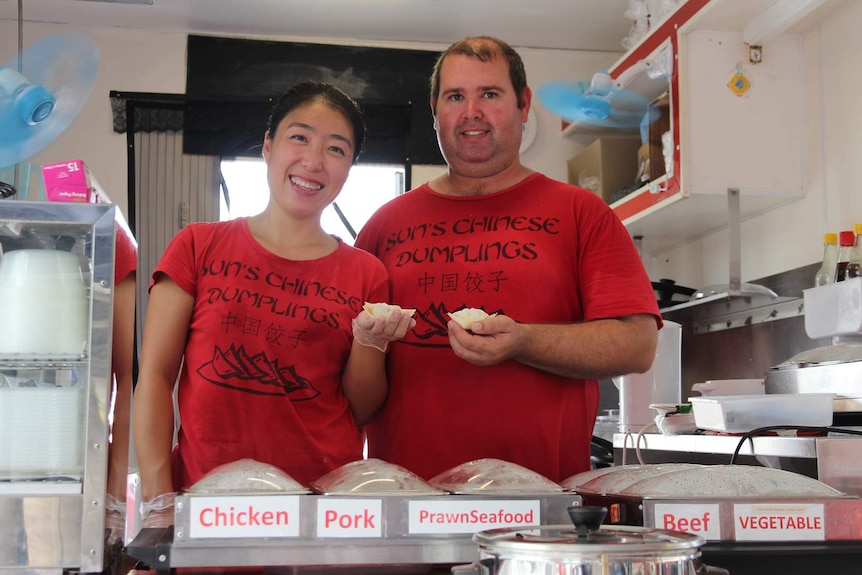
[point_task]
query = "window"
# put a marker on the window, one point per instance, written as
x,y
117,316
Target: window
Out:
x,y
367,188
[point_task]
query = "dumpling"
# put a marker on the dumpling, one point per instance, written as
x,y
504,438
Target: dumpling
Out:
x,y
382,309
466,316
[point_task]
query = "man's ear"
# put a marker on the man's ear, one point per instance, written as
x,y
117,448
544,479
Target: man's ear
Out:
x,y
526,102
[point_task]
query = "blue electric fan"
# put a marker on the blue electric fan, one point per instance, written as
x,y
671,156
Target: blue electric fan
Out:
x,y
39,100
606,102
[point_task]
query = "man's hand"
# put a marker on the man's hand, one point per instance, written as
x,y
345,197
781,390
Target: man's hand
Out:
x,y
487,342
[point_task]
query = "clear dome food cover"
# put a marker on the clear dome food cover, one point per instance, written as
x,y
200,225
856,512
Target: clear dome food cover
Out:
x,y
620,477
373,477
247,476
493,476
730,481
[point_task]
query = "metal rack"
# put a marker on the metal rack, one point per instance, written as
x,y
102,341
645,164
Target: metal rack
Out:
x,y
53,516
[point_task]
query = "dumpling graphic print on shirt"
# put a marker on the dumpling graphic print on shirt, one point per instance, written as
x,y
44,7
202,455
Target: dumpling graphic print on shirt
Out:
x,y
235,369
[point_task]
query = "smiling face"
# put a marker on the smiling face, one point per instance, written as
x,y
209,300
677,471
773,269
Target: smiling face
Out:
x,y
478,121
308,159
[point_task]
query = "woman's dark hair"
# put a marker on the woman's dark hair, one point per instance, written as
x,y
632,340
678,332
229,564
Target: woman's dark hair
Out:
x,y
307,92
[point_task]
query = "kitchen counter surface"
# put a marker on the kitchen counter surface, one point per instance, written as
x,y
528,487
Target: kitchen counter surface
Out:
x,y
833,460
775,446
796,454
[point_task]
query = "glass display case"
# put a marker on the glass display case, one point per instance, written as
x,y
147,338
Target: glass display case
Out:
x,y
56,296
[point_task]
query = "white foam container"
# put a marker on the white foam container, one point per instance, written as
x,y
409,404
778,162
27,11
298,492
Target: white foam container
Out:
x,y
834,309
742,413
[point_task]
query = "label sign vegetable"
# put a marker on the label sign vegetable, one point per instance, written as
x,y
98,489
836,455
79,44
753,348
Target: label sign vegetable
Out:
x,y
779,522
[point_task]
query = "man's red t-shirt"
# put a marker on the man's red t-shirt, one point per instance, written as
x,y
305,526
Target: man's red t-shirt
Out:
x,y
539,252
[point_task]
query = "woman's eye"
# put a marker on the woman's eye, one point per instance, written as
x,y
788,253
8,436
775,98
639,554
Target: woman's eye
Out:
x,y
337,150
298,137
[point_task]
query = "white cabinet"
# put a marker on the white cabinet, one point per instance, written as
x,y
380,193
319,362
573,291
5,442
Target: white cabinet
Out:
x,y
736,124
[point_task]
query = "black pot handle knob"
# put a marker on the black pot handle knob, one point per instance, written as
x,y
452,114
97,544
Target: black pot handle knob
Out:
x,y
586,519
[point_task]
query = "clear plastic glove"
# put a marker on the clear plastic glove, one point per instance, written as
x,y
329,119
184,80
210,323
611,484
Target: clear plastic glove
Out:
x,y
115,519
158,511
377,332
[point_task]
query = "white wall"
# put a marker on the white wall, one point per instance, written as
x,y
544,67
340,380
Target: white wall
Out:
x,y
785,238
143,61
791,236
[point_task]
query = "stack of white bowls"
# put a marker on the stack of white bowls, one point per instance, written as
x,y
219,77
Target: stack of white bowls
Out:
x,y
43,303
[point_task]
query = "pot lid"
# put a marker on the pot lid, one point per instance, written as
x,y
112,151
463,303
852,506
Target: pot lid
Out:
x,y
588,538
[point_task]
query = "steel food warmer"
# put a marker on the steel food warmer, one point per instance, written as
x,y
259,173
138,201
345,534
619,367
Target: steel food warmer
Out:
x,y
741,513
367,515
56,295
747,514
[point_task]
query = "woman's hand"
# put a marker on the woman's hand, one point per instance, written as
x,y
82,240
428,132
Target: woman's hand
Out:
x,y
158,511
377,332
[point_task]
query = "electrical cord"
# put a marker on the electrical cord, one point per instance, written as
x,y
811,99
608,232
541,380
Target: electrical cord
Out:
x,y
637,442
755,432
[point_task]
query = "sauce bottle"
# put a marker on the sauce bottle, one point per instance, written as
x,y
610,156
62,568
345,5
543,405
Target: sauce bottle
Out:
x,y
826,273
854,265
846,242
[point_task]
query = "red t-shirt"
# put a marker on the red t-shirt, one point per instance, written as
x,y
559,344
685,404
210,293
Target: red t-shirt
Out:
x,y
539,252
125,254
268,341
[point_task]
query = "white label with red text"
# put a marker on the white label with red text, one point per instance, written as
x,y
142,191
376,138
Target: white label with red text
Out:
x,y
244,516
470,516
349,518
779,522
693,518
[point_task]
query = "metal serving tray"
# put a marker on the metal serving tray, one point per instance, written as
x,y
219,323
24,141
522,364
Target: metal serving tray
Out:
x,y
304,530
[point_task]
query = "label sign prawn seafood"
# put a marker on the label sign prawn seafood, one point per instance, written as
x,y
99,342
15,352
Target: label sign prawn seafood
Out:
x,y
471,516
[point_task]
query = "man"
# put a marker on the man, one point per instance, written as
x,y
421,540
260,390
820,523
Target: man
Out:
x,y
572,300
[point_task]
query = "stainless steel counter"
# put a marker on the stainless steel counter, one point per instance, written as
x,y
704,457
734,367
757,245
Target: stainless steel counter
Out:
x,y
833,460
309,531
803,447
796,454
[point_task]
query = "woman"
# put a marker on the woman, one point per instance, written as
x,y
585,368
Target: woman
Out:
x,y
264,316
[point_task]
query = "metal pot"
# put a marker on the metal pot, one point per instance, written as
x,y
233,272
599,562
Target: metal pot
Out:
x,y
588,548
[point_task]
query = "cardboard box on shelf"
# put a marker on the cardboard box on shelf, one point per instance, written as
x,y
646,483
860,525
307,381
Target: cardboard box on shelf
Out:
x,y
70,181
650,162
605,166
